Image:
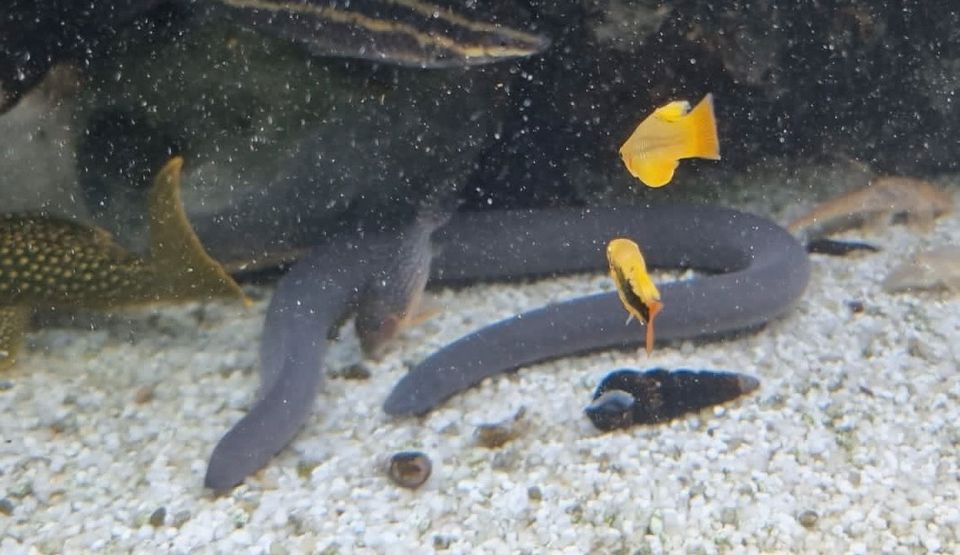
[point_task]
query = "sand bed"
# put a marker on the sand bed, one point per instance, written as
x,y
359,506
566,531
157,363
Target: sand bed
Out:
x,y
850,444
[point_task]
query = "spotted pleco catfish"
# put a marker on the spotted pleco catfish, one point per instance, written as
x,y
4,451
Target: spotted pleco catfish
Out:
x,y
51,262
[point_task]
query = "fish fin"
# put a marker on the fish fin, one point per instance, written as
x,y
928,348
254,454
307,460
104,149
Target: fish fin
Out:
x,y
425,311
374,342
13,328
673,111
652,172
702,129
649,339
654,308
185,269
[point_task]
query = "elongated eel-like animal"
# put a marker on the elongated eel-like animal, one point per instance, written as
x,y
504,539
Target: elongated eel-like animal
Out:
x,y
310,301
761,271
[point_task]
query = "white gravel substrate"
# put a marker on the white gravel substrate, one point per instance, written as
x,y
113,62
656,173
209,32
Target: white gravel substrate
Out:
x,y
849,446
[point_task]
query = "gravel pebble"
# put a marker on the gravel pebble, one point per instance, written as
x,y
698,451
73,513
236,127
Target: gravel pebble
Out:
x,y
82,460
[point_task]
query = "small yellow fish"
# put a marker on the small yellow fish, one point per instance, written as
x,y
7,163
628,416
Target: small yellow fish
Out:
x,y
637,292
670,133
50,262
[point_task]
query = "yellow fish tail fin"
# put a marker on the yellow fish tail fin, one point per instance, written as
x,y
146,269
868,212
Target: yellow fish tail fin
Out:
x,y
13,327
702,131
653,172
183,268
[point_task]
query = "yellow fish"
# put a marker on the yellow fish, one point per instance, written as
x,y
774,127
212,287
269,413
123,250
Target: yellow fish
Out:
x,y
670,133
50,262
637,292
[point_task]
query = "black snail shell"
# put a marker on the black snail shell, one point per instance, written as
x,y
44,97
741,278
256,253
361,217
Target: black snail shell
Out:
x,y
626,397
409,469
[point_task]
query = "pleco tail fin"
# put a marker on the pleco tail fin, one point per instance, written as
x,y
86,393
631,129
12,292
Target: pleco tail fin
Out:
x,y
184,269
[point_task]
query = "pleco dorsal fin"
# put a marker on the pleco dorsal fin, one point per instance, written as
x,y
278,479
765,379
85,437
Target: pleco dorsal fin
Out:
x,y
183,268
13,328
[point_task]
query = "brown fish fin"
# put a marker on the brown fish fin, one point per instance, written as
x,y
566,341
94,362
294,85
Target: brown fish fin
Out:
x,y
703,130
375,338
375,343
426,310
13,328
184,269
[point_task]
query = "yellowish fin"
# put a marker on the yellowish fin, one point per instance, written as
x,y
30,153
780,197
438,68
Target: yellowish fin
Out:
x,y
48,262
13,321
637,291
182,268
670,133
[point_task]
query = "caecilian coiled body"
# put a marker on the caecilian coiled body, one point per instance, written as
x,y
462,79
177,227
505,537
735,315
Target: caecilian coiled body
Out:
x,y
760,271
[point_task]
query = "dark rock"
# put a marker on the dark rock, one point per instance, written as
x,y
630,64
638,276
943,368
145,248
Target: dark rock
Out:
x,y
358,371
626,397
409,469
808,519
498,434
611,410
534,493
158,517
833,247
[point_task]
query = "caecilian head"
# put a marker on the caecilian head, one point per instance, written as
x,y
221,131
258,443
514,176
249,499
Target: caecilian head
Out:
x,y
376,333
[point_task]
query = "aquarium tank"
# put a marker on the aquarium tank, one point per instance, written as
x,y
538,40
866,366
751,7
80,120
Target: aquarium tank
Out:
x,y
487,276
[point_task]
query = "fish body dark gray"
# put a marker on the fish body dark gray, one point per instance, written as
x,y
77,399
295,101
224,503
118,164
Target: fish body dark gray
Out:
x,y
34,36
392,298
